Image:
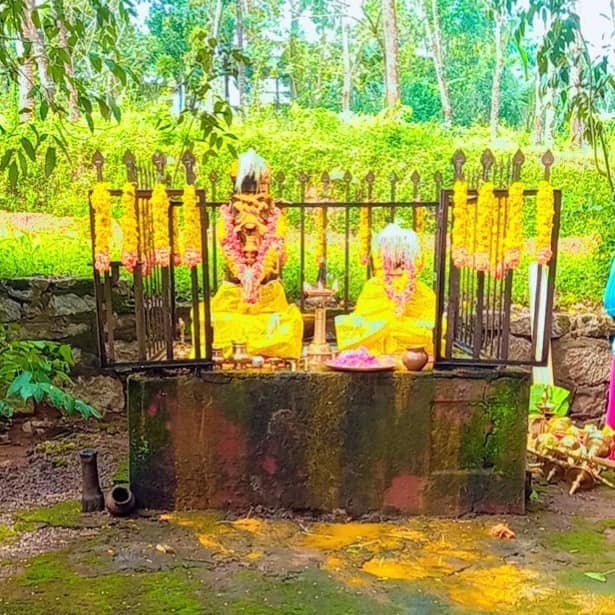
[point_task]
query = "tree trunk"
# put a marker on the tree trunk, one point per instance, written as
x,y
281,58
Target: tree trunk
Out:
x,y
499,17
73,106
292,46
241,72
577,126
25,82
391,53
539,113
434,38
347,85
35,36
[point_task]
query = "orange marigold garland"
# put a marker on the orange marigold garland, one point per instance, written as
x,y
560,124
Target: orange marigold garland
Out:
x,y
101,204
462,225
485,207
544,222
192,228
513,242
160,215
130,237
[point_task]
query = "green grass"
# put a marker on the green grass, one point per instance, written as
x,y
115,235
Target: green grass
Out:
x,y
64,514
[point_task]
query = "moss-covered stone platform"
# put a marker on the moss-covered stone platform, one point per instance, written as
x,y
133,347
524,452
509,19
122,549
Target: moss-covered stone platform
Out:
x,y
435,443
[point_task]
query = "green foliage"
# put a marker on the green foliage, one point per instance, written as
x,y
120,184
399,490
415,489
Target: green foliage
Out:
x,y
35,371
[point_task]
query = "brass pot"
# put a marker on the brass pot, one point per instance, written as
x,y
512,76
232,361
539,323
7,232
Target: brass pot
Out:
x,y
415,358
217,357
240,354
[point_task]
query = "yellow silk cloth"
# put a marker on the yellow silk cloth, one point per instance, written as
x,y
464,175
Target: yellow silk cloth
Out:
x,y
375,325
271,327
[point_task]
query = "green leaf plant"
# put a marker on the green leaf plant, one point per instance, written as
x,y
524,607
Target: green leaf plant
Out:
x,y
35,372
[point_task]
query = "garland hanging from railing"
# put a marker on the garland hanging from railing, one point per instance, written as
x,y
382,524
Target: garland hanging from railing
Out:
x,y
497,267
513,242
160,218
462,225
177,239
130,237
321,233
483,230
192,228
544,222
364,235
101,204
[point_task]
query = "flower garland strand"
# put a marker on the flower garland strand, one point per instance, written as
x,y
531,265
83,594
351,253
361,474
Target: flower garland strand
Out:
x,y
250,276
461,225
401,299
483,229
101,204
513,242
544,222
364,235
160,216
130,236
498,233
177,239
192,228
321,233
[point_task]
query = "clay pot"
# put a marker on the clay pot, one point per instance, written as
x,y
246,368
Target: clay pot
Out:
x,y
415,358
120,501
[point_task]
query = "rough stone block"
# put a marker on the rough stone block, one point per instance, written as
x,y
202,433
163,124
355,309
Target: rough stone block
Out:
x,y
323,441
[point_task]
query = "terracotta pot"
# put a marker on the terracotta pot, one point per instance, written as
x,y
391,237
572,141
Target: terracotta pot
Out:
x,y
120,501
415,358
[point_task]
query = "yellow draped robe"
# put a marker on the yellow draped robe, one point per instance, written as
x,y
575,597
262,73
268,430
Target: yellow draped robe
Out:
x,y
375,324
271,327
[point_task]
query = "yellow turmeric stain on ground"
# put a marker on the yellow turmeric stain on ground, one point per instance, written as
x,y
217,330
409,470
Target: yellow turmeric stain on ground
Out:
x,y
455,560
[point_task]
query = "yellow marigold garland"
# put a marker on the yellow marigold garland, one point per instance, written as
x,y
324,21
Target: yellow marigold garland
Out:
x,y
177,239
192,228
544,222
101,204
513,242
419,220
462,241
364,235
321,233
419,229
498,232
485,208
160,215
130,236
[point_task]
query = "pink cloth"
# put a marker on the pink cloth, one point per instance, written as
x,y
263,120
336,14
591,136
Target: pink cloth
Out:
x,y
610,411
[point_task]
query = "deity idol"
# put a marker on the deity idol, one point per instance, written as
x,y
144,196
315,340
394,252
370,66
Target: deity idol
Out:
x,y
250,305
394,310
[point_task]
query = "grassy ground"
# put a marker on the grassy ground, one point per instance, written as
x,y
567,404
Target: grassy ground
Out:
x,y
196,563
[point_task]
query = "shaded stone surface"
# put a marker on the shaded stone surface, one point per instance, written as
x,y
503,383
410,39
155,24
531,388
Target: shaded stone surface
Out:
x,y
438,443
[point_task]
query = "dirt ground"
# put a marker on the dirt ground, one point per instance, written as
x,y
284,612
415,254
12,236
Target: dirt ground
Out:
x,y
56,561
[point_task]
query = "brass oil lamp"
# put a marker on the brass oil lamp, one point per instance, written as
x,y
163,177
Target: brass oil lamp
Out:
x,y
319,349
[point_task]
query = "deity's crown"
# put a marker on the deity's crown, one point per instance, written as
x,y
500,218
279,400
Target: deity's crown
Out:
x,y
251,168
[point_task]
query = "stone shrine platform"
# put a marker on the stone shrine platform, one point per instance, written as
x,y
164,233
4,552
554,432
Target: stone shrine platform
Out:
x,y
435,443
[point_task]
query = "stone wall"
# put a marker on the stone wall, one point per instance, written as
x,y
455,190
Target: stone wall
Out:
x,y
436,443
64,310
581,355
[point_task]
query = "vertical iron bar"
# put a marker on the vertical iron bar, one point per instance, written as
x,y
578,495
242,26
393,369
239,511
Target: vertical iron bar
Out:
x,y
206,284
100,327
302,179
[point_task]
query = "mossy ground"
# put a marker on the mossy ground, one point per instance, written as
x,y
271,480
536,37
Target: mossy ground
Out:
x,y
202,563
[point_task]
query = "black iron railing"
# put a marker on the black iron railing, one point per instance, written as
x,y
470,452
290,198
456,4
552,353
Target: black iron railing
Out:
x,y
473,309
